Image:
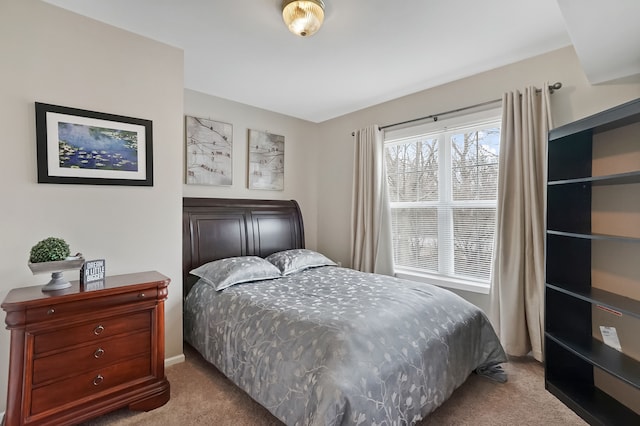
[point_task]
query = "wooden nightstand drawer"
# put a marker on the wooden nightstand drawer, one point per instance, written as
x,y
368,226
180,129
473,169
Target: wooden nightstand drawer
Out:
x,y
47,313
89,384
94,331
90,357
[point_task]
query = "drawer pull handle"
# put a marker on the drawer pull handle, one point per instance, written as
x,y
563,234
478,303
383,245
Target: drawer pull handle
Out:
x,y
99,329
51,311
98,379
98,353
141,295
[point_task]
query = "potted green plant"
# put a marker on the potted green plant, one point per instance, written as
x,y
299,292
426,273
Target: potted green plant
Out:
x,y
52,255
49,250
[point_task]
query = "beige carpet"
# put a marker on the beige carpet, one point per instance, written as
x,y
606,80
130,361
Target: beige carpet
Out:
x,y
201,395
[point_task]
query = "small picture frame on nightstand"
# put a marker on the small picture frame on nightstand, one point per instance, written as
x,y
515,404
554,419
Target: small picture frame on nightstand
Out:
x,y
92,274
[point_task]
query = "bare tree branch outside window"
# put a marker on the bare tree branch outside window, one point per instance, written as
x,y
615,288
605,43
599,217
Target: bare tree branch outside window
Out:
x,y
455,201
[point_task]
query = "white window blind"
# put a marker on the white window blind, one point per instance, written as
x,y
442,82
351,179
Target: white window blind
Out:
x,y
443,191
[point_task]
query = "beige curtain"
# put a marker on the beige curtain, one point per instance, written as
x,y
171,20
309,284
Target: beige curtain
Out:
x,y
517,288
371,244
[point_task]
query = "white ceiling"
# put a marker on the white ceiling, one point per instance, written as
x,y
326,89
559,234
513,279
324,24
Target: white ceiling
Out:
x,y
606,37
367,51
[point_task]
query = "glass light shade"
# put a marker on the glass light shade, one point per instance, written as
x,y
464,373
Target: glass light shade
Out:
x,y
303,17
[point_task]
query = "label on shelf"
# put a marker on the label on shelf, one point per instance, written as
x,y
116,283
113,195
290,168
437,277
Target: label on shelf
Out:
x,y
610,337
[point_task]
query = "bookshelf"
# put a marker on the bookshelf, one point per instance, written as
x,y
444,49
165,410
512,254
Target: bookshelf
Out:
x,y
593,265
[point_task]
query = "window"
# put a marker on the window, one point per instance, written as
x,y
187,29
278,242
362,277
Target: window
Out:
x,y
443,189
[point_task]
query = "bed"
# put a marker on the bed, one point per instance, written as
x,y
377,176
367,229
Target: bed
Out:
x,y
315,343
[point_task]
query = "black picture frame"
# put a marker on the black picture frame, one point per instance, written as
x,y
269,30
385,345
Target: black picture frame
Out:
x,y
76,146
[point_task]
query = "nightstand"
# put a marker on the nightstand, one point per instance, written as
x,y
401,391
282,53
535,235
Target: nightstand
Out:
x,y
76,353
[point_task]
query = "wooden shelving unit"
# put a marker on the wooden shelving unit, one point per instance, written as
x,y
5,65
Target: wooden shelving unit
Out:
x,y
575,304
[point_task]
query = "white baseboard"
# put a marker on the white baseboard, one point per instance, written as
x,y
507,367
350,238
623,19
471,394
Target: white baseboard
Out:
x,y
174,360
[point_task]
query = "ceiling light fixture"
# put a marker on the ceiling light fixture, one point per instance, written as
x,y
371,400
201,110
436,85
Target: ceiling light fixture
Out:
x,y
303,17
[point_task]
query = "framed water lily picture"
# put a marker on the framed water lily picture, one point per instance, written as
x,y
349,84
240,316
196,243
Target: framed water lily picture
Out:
x,y
87,147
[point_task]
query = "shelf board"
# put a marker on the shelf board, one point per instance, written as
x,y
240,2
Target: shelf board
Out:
x,y
608,359
602,408
594,236
612,118
596,296
616,179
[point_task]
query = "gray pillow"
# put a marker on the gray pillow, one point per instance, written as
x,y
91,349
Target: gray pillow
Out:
x,y
226,272
296,260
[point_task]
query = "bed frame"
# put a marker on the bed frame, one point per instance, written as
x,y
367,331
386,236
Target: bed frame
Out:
x,y
215,228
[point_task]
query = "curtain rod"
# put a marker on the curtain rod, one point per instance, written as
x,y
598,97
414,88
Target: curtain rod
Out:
x,y
552,88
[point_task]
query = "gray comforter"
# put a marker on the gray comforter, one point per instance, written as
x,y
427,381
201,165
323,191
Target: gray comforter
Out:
x,y
333,346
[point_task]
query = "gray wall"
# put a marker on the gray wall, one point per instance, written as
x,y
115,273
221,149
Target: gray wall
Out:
x,y
575,100
300,141
53,56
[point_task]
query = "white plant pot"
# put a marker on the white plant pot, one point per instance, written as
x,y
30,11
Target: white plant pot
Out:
x,y
58,281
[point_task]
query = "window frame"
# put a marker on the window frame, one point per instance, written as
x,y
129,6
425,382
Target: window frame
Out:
x,y
443,130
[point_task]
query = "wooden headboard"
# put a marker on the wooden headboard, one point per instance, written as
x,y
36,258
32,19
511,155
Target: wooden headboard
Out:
x,y
215,228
